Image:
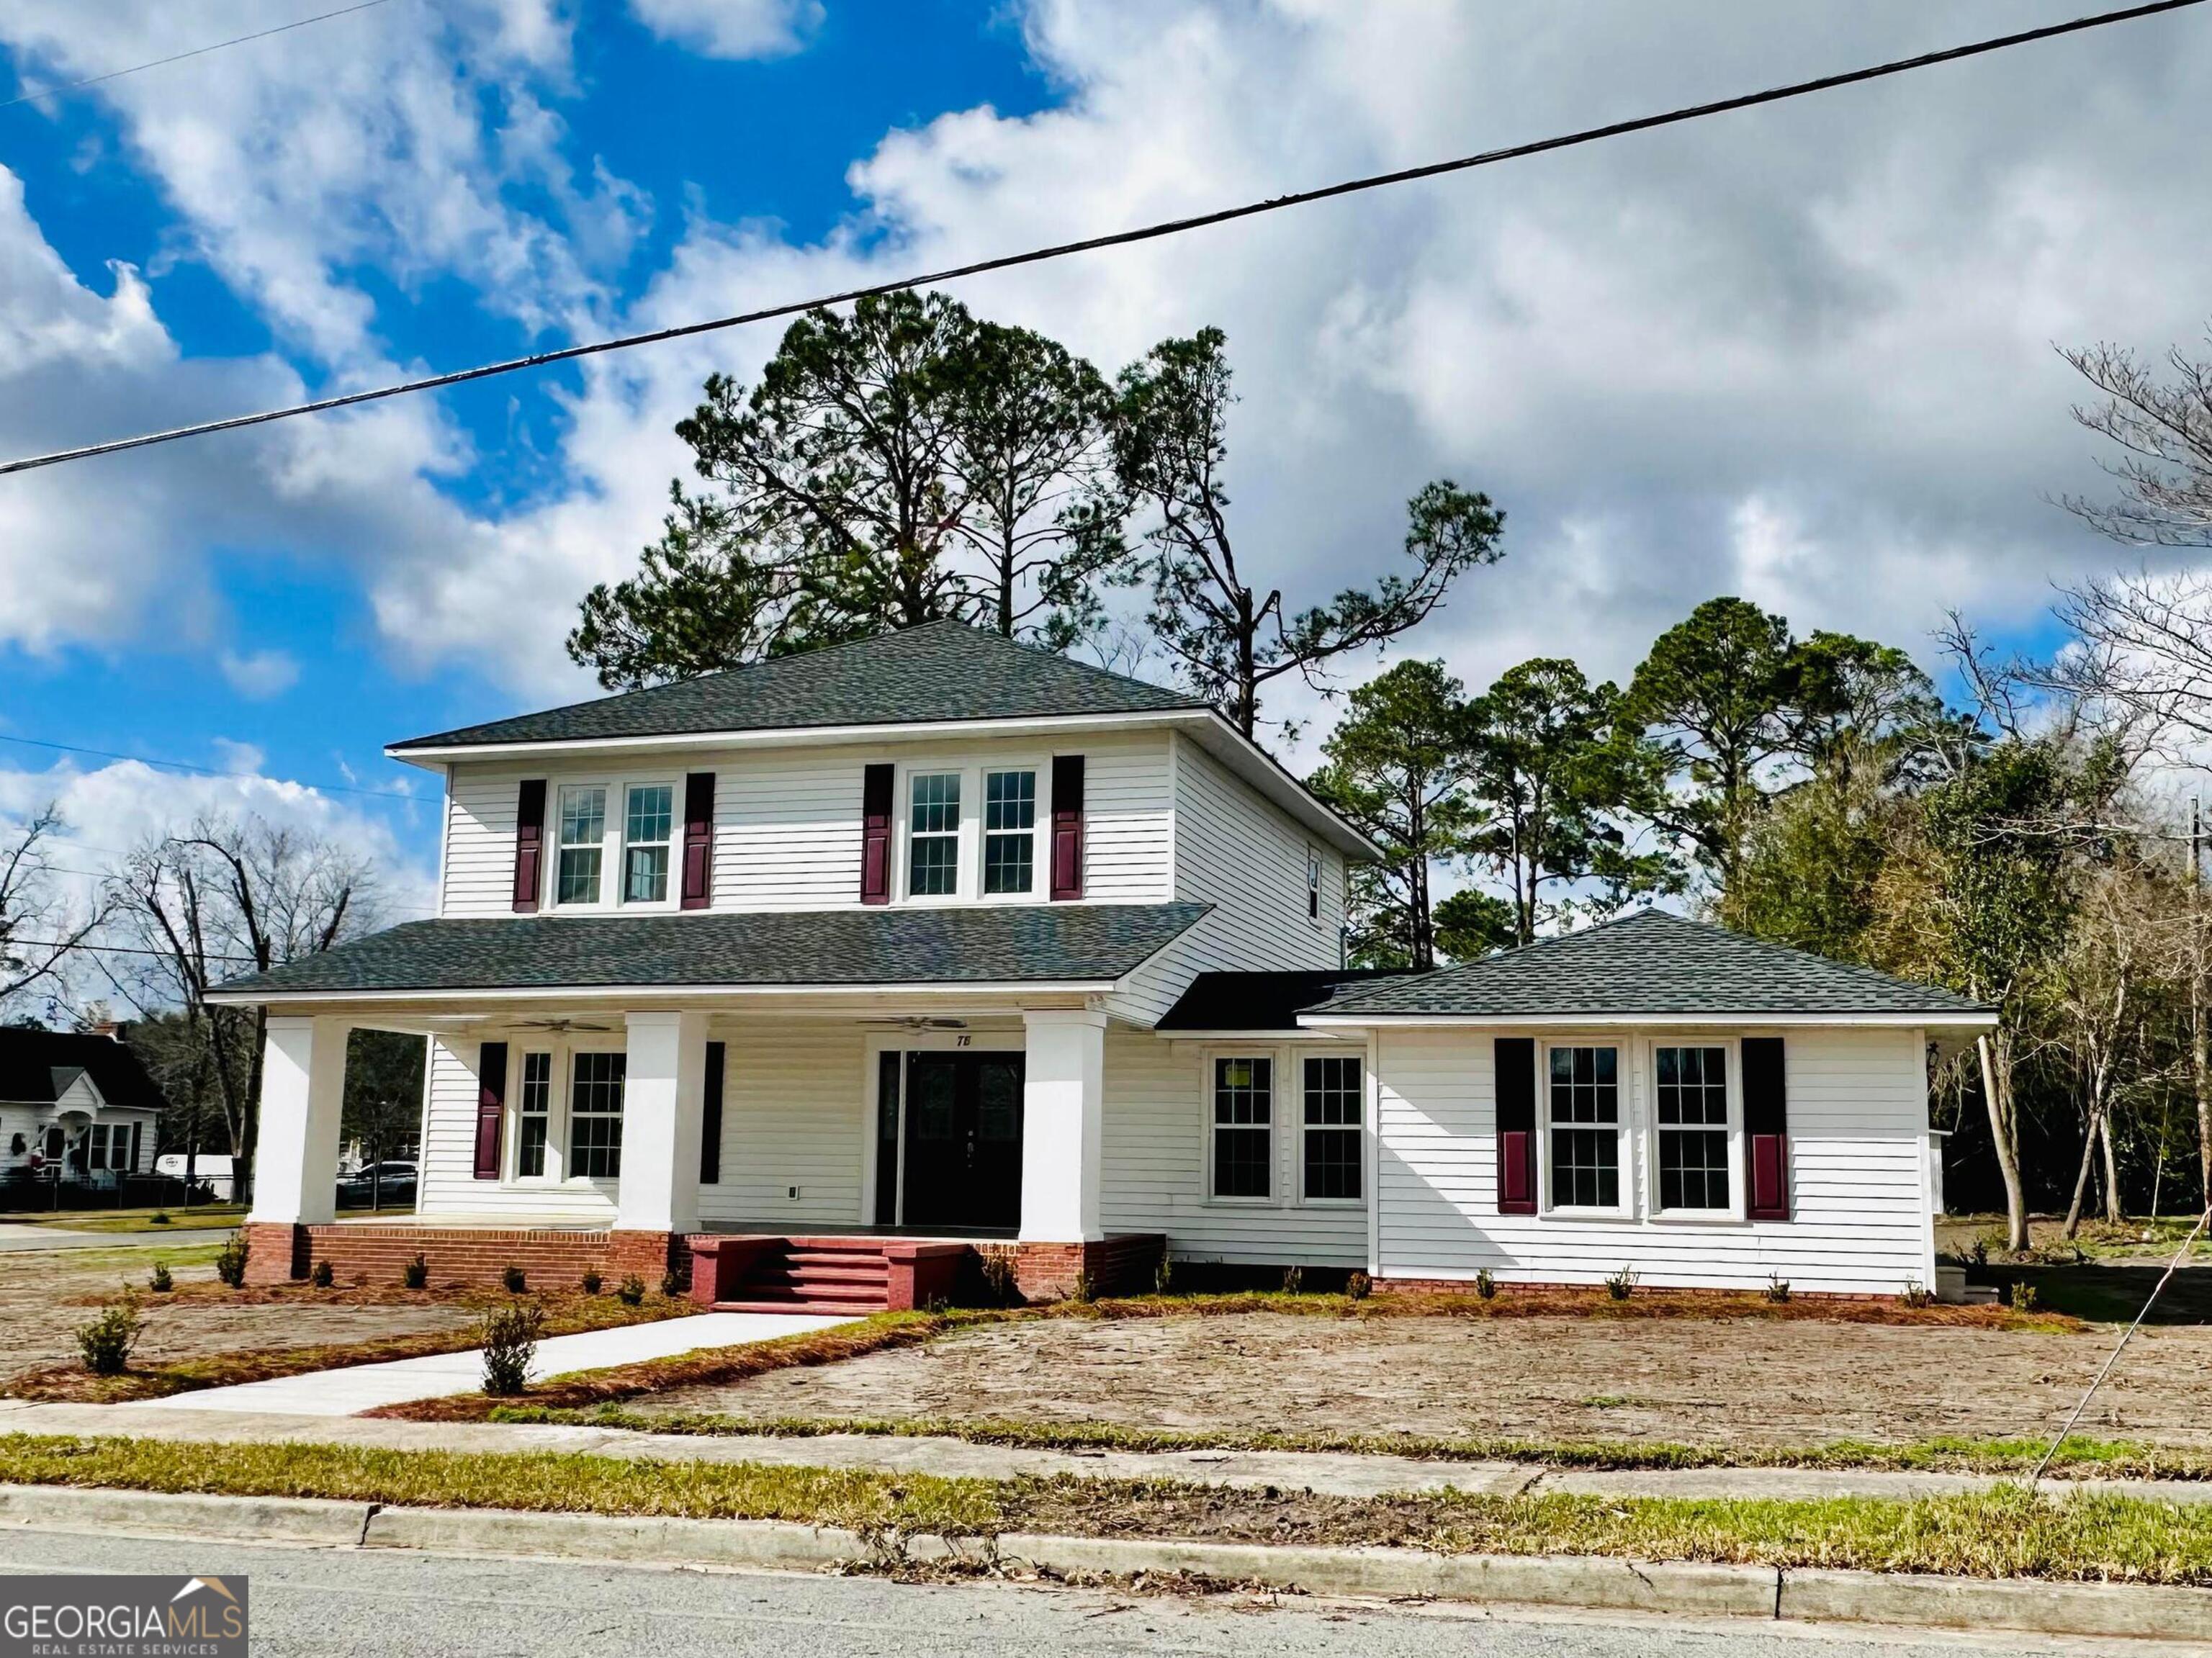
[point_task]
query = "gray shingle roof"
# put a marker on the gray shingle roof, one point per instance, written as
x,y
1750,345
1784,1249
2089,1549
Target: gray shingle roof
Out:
x,y
38,1066
1024,944
941,671
1262,1000
1650,962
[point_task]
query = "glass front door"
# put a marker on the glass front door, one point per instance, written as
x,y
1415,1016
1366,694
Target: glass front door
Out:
x,y
962,1162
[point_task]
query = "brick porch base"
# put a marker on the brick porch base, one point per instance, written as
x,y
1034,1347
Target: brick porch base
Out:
x,y
551,1259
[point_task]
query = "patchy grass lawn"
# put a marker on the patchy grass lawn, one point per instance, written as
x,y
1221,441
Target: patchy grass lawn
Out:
x,y
1241,1375
2007,1532
131,1220
204,1334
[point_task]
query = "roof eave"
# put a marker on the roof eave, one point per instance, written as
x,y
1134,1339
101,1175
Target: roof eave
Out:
x,y
644,993
1963,1019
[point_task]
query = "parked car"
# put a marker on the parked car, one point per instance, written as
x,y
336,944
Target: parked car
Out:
x,y
384,1183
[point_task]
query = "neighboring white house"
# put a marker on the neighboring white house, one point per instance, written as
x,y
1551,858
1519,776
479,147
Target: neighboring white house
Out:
x,y
806,968
76,1108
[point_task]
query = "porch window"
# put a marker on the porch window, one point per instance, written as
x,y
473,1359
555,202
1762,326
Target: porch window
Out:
x,y
1332,1127
99,1157
533,1116
583,835
1243,1126
934,835
595,1115
1009,830
1585,1113
647,823
1691,1091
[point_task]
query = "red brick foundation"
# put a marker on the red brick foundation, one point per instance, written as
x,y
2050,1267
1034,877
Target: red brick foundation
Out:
x,y
1125,1264
551,1259
1465,1286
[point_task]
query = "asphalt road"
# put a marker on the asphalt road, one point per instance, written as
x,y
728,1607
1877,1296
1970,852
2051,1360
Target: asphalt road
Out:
x,y
397,1605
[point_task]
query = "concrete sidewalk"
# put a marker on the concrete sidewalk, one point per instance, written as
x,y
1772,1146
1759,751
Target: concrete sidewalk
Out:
x,y
1333,1473
341,1393
15,1236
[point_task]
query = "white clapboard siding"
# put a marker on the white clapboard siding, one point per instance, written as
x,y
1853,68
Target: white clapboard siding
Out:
x,y
788,820
1237,852
792,1100
1153,1178
1859,1203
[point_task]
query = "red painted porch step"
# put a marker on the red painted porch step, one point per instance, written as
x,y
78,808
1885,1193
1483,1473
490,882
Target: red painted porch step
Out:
x,y
814,1276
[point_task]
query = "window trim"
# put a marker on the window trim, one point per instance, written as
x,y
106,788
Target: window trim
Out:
x,y
557,1161
1039,829
1624,1115
596,1182
967,877
671,874
613,832
1738,1172
563,847
1208,1063
1358,1056
560,1148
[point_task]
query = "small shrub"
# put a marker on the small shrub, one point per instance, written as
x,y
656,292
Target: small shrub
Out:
x,y
632,1292
1621,1284
672,1284
1294,1279
1917,1294
1983,1245
107,1340
591,1282
510,1342
161,1218
1083,1290
1359,1286
1486,1284
416,1274
2019,1296
998,1276
159,1280
323,1274
1164,1276
1777,1288
230,1264
512,1279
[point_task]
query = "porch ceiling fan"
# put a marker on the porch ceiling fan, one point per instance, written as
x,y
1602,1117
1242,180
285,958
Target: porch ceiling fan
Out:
x,y
917,1022
560,1026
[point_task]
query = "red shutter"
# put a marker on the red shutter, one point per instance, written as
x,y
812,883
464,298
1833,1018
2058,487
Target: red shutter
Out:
x,y
1767,1129
698,839
491,1105
529,843
1066,826
876,835
1514,1059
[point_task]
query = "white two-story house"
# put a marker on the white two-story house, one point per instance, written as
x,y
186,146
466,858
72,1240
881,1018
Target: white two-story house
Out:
x,y
818,976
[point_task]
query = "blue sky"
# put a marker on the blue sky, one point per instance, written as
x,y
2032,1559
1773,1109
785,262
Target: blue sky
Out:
x,y
1803,354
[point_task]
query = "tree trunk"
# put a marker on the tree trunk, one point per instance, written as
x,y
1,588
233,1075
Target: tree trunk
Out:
x,y
1996,1092
2081,1175
2114,1212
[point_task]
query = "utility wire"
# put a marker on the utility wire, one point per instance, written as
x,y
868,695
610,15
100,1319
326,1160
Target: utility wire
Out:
x,y
117,949
1118,239
202,771
197,52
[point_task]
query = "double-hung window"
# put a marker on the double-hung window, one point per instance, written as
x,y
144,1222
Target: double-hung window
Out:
x,y
583,836
1243,1126
1332,1127
933,835
1690,1090
647,823
1584,1097
595,1115
1009,830
533,1116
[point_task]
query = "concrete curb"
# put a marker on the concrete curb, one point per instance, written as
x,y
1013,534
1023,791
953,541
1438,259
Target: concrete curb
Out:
x,y
1596,1582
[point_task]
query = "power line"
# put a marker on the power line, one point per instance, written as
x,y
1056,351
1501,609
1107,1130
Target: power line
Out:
x,y
116,950
197,52
203,771
1117,239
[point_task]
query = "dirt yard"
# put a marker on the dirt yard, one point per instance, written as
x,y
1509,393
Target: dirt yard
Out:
x,y
1798,1382
45,1295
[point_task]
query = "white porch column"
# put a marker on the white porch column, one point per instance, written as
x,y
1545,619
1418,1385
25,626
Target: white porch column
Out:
x,y
1063,1125
295,1157
664,1095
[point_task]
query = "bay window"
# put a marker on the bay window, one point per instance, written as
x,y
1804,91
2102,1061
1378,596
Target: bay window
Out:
x,y
1583,1095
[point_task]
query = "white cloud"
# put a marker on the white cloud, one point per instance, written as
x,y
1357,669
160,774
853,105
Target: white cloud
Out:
x,y
239,759
733,28
259,674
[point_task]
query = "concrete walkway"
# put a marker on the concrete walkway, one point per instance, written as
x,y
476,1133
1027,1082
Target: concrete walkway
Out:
x,y
1333,1473
341,1393
15,1235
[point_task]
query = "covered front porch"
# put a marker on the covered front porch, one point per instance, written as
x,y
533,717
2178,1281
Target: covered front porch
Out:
x,y
831,1152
